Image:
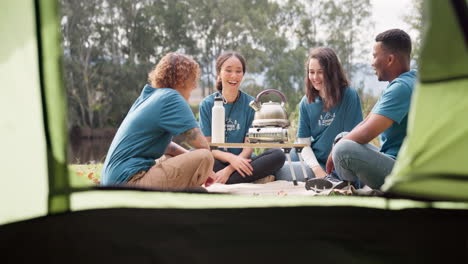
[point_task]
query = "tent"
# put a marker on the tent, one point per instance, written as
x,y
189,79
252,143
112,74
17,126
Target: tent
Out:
x,y
45,216
432,162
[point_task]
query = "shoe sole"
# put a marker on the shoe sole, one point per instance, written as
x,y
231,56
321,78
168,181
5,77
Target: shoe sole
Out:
x,y
320,185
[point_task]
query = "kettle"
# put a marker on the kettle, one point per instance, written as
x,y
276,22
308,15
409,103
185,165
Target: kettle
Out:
x,y
270,114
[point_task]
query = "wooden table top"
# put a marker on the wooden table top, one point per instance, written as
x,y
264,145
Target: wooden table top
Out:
x,y
257,145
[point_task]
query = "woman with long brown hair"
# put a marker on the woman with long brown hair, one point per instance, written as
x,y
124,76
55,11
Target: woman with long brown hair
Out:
x,y
329,107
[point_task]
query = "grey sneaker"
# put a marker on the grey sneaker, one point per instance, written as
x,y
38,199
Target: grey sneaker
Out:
x,y
324,184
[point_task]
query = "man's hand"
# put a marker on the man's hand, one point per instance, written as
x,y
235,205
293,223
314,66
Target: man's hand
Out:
x,y
330,166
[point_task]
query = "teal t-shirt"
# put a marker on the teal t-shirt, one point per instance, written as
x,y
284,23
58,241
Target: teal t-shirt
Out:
x,y
322,127
394,103
238,117
155,117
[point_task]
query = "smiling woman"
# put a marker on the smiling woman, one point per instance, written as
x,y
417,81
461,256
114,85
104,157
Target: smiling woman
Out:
x,y
235,165
329,107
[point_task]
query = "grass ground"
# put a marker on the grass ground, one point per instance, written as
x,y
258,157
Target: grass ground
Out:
x,y
84,175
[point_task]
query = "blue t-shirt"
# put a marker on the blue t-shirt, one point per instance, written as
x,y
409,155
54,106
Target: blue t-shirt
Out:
x,y
155,117
238,117
322,127
394,103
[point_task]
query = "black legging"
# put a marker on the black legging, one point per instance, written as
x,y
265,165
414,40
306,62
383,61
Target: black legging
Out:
x,y
263,165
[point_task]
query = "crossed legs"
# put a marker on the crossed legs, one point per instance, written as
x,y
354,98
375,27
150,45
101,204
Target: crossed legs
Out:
x,y
354,161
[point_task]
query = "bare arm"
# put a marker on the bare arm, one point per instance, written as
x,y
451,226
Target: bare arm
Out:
x,y
195,139
370,128
174,149
246,152
362,122
227,156
239,163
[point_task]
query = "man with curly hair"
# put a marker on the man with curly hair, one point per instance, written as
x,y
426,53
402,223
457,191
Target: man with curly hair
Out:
x,y
142,152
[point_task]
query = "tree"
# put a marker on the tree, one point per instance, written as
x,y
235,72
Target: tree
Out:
x,y
344,20
81,41
230,25
286,39
110,46
414,19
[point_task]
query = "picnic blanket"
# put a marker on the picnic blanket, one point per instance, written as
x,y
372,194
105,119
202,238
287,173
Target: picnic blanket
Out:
x,y
283,188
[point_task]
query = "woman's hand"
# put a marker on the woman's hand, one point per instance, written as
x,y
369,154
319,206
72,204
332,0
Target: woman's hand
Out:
x,y
241,165
222,176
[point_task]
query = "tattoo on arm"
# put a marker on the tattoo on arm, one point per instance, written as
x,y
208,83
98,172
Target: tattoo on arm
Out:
x,y
191,134
172,148
195,139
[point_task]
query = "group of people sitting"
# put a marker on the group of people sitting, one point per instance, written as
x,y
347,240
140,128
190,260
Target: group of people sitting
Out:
x,y
330,123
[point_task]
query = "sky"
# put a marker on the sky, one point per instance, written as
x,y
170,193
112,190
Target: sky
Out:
x,y
389,14
386,14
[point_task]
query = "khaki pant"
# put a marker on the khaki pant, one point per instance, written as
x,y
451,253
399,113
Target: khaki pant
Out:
x,y
183,171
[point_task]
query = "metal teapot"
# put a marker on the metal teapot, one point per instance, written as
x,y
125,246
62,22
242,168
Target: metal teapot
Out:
x,y
270,114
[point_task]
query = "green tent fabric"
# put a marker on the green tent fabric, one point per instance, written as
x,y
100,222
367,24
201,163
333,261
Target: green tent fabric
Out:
x,y
34,131
22,142
433,160
43,216
54,103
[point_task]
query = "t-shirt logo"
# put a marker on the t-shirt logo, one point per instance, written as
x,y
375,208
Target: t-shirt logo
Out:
x,y
326,119
232,125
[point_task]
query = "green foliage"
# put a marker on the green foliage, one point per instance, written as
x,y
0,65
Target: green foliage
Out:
x,y
414,19
344,21
84,175
110,46
292,129
195,108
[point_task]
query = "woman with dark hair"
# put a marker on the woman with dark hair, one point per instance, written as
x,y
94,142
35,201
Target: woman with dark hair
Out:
x,y
142,152
236,165
330,106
